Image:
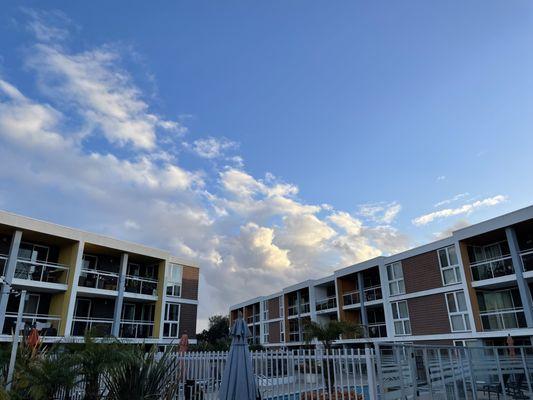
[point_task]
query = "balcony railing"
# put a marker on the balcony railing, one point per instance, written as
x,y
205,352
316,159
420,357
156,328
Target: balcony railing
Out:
x,y
140,285
503,319
97,326
377,330
253,319
294,337
293,310
98,279
47,325
3,262
370,293
130,328
351,298
527,259
326,304
41,271
492,268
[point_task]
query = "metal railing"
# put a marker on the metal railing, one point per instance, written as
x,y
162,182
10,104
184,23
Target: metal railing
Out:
x,y
377,330
47,325
97,326
141,285
326,304
303,309
453,372
130,328
98,279
493,268
3,263
527,259
41,271
503,319
253,319
370,294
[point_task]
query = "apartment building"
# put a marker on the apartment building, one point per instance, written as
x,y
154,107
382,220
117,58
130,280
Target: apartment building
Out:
x,y
78,281
473,287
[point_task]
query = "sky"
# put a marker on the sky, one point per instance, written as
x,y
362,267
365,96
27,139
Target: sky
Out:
x,y
268,142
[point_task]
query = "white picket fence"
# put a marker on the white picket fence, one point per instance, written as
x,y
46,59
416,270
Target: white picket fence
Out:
x,y
343,374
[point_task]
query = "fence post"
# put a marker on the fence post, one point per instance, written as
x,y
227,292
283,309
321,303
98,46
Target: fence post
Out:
x,y
371,374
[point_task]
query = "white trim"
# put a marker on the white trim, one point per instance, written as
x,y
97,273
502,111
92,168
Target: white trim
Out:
x,y
462,313
465,287
429,292
180,300
494,281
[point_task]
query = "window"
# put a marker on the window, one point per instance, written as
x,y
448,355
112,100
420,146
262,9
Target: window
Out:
x,y
395,276
172,318
400,315
265,333
458,311
265,310
174,280
449,266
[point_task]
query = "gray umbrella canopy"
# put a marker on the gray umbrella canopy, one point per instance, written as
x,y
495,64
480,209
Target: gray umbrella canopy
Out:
x,y
238,382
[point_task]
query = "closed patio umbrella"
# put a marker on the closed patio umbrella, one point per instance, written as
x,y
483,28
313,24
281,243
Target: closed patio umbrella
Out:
x,y
238,381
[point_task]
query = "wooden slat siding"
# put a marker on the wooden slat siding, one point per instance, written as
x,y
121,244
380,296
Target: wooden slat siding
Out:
x,y
190,283
422,272
273,308
188,320
471,291
274,332
429,315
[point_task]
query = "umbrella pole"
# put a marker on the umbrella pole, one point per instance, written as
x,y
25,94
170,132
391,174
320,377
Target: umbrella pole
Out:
x,y
15,345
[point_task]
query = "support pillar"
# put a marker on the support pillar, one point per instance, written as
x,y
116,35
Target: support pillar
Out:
x,y
364,316
523,288
9,273
120,297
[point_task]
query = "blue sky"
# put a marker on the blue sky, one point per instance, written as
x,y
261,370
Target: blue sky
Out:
x,y
268,141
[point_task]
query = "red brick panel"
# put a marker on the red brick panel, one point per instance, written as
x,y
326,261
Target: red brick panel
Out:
x,y
429,315
274,332
273,308
188,320
190,283
422,272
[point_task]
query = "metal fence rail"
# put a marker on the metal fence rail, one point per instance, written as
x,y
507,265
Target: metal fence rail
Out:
x,y
447,372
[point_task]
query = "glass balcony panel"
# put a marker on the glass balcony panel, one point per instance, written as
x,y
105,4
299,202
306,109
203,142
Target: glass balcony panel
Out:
x,y
139,285
47,325
326,304
492,269
98,279
527,260
503,319
97,326
41,271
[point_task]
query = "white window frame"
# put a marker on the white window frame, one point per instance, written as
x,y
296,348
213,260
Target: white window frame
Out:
x,y
282,331
397,281
266,316
281,307
455,267
405,321
172,323
462,313
176,285
266,332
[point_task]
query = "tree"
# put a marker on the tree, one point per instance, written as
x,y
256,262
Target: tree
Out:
x,y
216,337
327,334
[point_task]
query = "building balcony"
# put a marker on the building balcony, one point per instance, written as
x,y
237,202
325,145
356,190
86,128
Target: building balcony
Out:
x,y
3,263
492,268
98,279
140,285
370,294
41,271
295,337
377,330
253,319
136,329
295,310
527,259
498,320
46,325
97,326
326,304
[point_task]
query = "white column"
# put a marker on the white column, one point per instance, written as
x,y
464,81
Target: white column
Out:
x,y
361,288
78,265
386,299
9,273
465,287
121,284
312,302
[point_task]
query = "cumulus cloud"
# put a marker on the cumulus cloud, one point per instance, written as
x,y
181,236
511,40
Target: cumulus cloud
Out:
x,y
464,209
384,213
212,148
250,235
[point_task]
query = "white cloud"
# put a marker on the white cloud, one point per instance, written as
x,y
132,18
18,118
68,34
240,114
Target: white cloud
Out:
x,y
384,213
212,148
250,235
464,209
453,199
441,178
